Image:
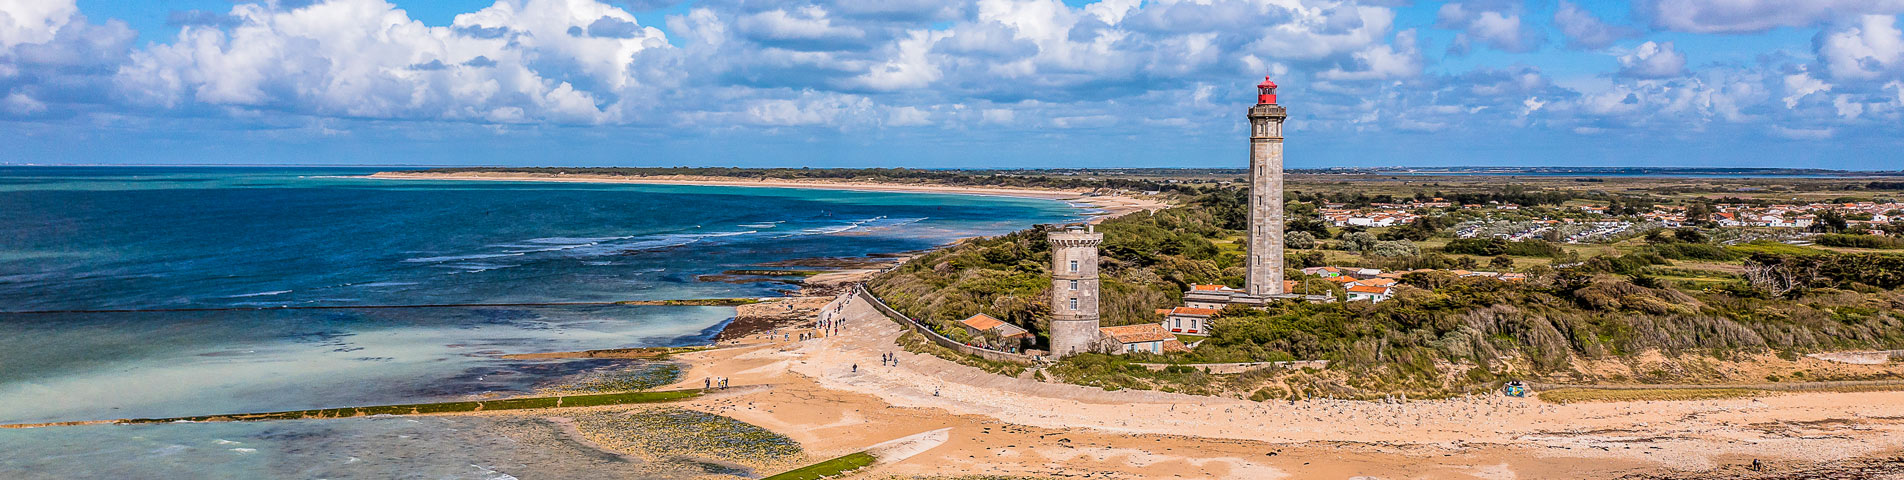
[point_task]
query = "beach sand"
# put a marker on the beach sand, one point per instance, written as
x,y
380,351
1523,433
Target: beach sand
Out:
x,y
1017,426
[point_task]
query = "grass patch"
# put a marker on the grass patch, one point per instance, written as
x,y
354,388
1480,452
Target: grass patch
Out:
x,y
1775,248
827,468
445,407
917,343
1574,395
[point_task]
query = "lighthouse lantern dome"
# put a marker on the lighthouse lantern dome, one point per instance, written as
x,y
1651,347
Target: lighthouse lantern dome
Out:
x,y
1266,92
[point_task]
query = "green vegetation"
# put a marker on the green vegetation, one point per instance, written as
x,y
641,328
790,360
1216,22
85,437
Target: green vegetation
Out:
x,y
916,343
1783,274
1577,395
445,407
1493,246
674,432
1682,292
1858,241
1775,248
829,468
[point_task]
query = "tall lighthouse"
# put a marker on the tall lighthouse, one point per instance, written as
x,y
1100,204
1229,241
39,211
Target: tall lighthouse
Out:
x,y
1264,276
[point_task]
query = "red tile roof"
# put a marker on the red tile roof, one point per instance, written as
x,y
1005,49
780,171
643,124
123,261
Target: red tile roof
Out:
x,y
1369,289
1207,312
982,322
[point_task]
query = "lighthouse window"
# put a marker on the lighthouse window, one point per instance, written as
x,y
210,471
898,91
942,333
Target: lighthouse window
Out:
x,y
1074,303
1074,284
1074,265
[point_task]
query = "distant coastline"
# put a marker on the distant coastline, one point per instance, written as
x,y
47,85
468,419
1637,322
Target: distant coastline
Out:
x,y
1109,206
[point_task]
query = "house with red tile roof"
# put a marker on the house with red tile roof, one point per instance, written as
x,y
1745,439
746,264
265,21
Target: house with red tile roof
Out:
x,y
1013,335
1373,294
1189,320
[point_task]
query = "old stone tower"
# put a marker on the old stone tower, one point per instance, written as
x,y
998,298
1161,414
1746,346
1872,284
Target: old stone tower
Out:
x,y
1264,274
1074,290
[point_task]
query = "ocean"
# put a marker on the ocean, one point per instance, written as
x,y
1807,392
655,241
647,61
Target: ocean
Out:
x,y
133,292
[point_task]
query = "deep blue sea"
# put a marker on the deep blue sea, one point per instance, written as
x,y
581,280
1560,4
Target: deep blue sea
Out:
x,y
158,238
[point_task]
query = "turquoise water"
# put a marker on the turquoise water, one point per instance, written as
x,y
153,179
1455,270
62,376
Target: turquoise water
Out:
x,y
139,241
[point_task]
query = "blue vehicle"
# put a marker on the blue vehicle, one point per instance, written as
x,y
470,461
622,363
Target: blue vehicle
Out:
x,y
1515,389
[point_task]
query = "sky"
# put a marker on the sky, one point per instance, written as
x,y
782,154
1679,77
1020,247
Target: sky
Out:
x,y
941,84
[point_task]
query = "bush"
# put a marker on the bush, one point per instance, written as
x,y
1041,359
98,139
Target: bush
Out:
x,y
1492,246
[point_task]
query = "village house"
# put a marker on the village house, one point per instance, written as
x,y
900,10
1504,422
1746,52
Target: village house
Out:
x,y
1143,337
1012,336
1373,294
1188,320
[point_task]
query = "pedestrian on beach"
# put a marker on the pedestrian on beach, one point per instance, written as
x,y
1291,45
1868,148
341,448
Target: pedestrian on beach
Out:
x,y
707,383
855,368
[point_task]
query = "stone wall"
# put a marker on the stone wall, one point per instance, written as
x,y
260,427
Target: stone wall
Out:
x,y
1234,368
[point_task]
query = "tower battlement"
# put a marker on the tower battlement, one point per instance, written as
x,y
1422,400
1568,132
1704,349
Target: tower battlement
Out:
x,y
1074,290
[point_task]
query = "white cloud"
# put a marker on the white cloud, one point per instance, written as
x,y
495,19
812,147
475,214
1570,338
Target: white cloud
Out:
x,y
515,61
908,117
1584,30
1748,16
33,21
1801,84
1868,50
1501,30
1653,60
19,104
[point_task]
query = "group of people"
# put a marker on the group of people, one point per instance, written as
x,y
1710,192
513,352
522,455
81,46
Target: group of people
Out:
x,y
711,383
889,359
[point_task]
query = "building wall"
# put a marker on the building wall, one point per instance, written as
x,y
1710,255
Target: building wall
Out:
x,y
1264,271
1074,330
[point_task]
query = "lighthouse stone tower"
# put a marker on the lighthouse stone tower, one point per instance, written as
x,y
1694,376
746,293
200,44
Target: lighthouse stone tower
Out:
x,y
1074,290
1264,274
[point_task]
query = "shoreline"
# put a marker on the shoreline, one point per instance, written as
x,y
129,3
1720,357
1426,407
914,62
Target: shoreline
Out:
x,y
1112,206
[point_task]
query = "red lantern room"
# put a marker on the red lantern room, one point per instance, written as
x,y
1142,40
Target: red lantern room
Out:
x,y
1266,92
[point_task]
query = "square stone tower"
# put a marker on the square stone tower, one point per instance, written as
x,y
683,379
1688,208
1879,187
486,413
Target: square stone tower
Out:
x,y
1264,275
1074,290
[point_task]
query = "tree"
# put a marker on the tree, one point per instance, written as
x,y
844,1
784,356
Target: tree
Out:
x,y
1698,212
1393,249
1299,240
1501,263
1689,235
1358,241
1830,221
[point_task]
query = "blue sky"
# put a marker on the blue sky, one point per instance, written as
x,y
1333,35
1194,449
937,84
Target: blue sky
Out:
x,y
927,83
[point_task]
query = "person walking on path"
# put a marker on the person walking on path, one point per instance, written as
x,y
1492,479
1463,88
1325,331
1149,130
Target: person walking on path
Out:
x,y
707,383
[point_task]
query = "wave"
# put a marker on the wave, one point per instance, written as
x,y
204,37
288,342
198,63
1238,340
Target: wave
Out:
x,y
476,267
383,284
575,240
458,258
260,294
771,224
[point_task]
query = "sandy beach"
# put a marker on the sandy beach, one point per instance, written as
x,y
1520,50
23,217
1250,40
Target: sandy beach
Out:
x,y
1109,205
834,397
